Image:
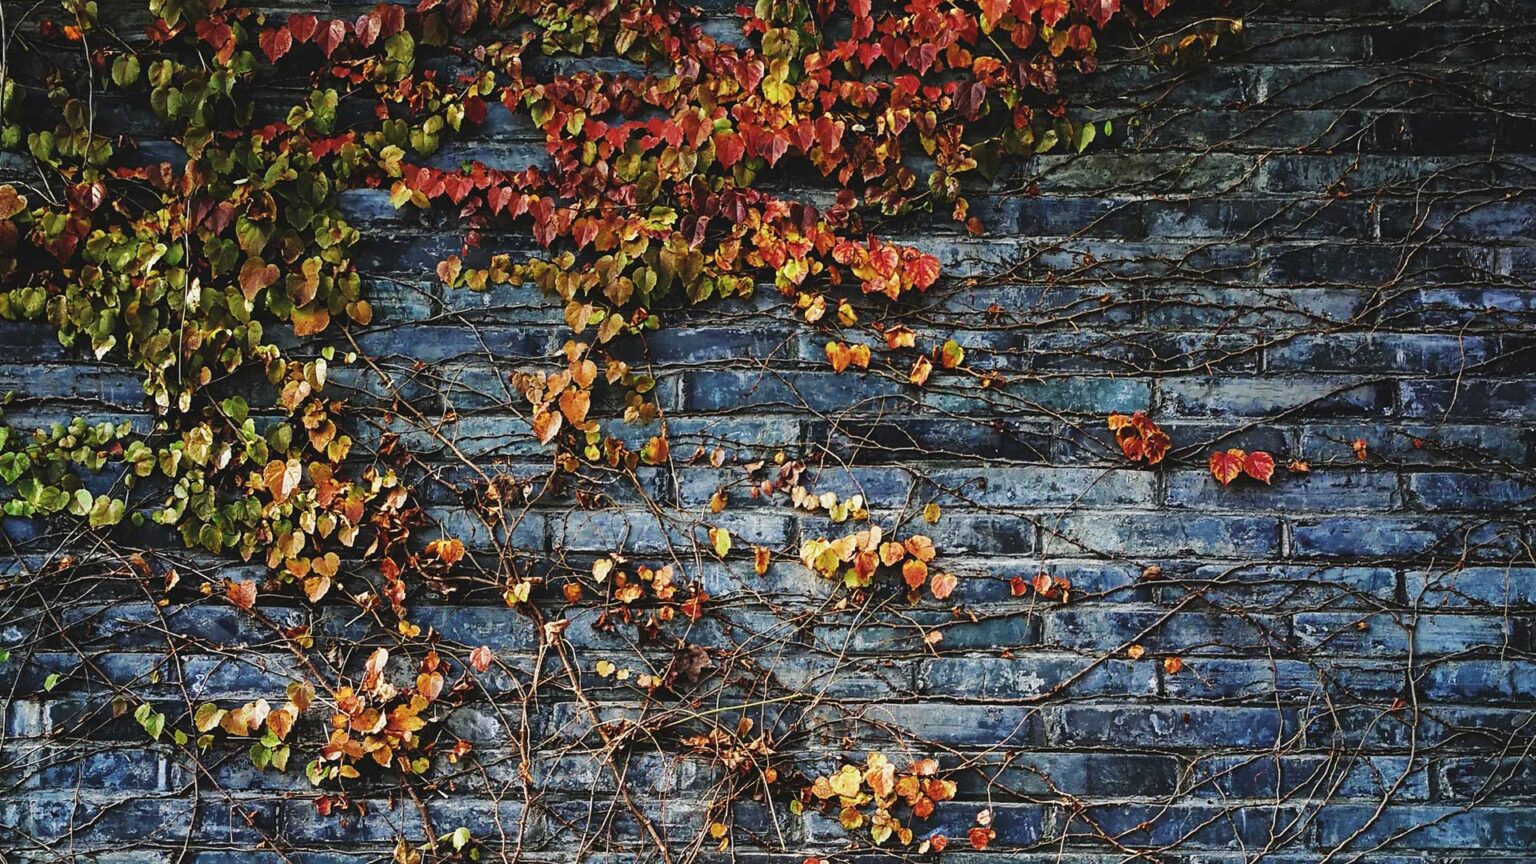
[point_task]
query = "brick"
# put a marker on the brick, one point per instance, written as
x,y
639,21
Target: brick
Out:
x,y
1356,490
1308,777
1030,677
1400,537
1181,632
1426,827
1162,535
1167,726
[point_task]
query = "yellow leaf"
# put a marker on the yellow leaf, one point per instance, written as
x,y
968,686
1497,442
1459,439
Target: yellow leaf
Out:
x,y
846,781
720,539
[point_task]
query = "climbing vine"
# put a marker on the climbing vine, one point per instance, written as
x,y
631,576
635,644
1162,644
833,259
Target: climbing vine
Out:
x,y
227,277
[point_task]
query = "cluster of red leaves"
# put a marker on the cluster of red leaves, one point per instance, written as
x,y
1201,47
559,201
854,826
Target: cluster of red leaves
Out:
x,y
1139,438
1228,465
1044,585
649,191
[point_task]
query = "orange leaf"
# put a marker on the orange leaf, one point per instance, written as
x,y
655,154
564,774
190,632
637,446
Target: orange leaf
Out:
x,y
480,658
838,353
920,547
309,320
915,573
282,478
920,371
546,425
943,585
1226,465
575,404
255,275
242,594
1172,665
1259,465
981,838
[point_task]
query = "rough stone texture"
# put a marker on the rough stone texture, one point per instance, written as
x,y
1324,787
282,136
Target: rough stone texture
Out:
x,y
1325,235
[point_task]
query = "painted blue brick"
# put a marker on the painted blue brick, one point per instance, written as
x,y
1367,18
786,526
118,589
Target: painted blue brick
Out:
x,y
1470,586
1162,535
1356,490
1037,487
1319,778
1183,632
1167,726
1031,676
1191,826
1426,827
1401,537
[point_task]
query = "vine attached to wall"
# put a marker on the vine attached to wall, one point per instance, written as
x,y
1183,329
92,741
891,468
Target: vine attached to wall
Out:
x,y
226,277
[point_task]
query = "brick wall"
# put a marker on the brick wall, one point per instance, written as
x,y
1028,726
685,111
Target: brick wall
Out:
x,y
1323,236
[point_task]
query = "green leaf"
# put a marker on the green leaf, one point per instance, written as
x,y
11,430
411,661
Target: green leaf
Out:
x,y
125,71
1085,135
51,682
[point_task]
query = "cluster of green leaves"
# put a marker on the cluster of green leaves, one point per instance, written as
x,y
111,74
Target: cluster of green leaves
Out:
x,y
187,274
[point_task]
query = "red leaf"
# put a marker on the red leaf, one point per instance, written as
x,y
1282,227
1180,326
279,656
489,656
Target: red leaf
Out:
x,y
1226,465
302,26
1052,11
330,36
994,9
1259,465
729,148
462,14
367,28
275,42
922,271
1103,10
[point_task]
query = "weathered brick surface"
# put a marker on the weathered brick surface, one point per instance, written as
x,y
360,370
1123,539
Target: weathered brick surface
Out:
x,y
1326,235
